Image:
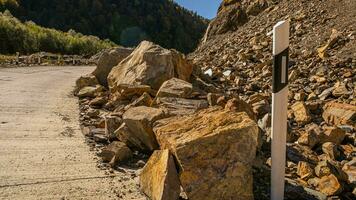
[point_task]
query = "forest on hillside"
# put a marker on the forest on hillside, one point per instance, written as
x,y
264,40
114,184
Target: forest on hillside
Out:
x,y
28,37
125,22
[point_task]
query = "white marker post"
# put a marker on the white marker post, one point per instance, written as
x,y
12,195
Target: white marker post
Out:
x,y
279,107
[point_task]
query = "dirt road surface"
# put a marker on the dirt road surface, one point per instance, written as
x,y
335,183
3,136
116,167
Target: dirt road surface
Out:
x,y
43,154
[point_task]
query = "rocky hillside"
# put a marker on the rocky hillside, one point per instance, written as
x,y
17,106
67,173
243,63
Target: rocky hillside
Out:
x,y
235,56
124,22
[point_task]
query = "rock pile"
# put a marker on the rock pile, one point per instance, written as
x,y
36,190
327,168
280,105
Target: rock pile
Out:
x,y
321,118
148,104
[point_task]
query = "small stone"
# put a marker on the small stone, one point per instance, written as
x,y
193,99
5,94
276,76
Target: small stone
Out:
x,y
116,152
339,114
331,150
300,96
301,113
304,170
340,89
90,91
350,169
175,88
239,105
112,123
322,169
329,185
326,93
333,134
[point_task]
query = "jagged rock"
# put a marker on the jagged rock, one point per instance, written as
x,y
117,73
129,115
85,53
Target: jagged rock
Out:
x,y
107,61
311,137
87,80
175,88
350,169
229,18
139,121
295,191
112,123
98,102
304,170
206,142
124,134
212,98
90,91
239,105
180,106
332,40
144,100
333,134
322,169
339,114
331,150
93,113
329,185
326,93
127,92
256,7
149,64
301,113
117,151
159,178
340,89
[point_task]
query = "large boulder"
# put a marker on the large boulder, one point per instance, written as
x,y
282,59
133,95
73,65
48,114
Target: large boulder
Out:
x,y
339,114
138,130
159,178
149,64
108,60
214,149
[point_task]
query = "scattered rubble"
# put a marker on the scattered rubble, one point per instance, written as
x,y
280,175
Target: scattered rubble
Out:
x,y
196,117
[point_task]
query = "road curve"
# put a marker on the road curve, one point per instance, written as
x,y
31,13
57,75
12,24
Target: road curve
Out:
x,y
42,151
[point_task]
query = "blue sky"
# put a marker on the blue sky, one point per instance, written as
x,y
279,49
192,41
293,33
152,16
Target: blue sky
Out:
x,y
205,8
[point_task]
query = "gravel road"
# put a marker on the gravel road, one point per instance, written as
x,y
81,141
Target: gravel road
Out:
x,y
43,154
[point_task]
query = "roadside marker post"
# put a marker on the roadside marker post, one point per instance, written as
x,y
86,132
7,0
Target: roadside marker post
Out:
x,y
279,107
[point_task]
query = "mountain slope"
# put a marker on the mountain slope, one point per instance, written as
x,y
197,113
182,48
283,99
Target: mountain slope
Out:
x,y
125,22
237,58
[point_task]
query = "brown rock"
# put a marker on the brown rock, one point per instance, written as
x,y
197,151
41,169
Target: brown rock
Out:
x,y
301,113
98,102
212,98
350,169
87,80
179,106
90,91
159,178
304,170
108,60
139,121
331,150
311,136
329,185
144,100
206,142
175,88
239,105
116,152
149,64
339,114
340,89
323,169
333,134
112,123
125,91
